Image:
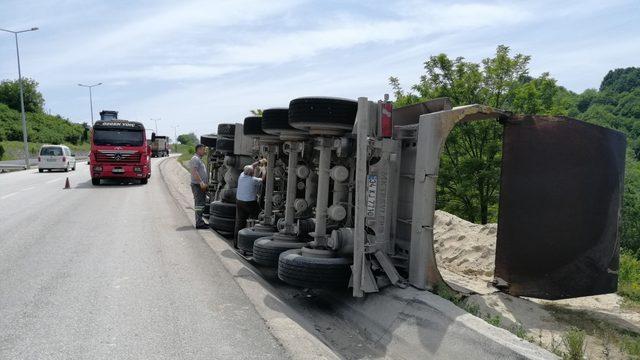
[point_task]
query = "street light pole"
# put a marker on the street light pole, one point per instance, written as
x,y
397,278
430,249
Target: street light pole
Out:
x,y
156,122
90,98
175,137
24,116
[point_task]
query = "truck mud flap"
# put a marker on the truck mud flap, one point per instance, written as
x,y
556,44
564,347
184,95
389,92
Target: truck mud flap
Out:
x,y
560,200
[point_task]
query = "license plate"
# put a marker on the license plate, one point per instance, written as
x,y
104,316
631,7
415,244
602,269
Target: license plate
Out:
x,y
118,170
51,160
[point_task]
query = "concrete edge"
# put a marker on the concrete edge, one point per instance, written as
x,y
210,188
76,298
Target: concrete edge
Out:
x,y
294,332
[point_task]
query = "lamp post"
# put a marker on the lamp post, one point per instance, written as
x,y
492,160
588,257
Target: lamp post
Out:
x,y
24,116
90,98
175,137
156,122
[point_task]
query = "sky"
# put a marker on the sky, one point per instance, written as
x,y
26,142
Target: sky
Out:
x,y
197,63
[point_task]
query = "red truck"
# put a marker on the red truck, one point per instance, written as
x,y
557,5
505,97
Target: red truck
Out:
x,y
119,150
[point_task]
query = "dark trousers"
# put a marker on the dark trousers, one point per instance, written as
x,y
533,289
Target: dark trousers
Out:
x,y
244,210
199,197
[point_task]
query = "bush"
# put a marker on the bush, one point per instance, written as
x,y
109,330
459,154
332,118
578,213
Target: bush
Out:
x,y
629,276
1,151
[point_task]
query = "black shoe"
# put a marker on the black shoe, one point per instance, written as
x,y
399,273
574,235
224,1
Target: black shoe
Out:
x,y
203,226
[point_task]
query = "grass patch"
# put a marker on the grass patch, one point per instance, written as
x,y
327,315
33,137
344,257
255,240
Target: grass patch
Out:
x,y
13,150
573,341
610,335
186,152
629,278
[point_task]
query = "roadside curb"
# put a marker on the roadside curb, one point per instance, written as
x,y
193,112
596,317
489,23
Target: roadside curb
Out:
x,y
296,334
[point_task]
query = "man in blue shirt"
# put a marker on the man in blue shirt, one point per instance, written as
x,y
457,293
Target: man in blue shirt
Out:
x,y
247,197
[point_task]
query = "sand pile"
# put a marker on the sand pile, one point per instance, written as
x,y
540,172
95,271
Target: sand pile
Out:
x,y
464,248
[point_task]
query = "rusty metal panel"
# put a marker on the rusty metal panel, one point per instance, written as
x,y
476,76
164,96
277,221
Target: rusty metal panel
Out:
x,y
560,200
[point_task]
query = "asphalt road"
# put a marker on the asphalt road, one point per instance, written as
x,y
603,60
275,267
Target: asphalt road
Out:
x,y
114,272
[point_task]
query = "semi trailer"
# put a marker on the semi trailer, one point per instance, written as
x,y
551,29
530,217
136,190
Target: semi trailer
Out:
x,y
350,196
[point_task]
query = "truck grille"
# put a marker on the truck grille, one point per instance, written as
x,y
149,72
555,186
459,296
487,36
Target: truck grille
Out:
x,y
120,156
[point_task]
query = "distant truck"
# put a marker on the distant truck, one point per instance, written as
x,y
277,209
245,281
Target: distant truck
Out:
x,y
119,150
108,115
159,145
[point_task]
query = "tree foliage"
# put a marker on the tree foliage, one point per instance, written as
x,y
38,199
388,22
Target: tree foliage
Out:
x,y
188,139
10,95
468,182
621,80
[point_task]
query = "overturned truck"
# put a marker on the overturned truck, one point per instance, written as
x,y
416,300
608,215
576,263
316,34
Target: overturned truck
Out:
x,y
355,188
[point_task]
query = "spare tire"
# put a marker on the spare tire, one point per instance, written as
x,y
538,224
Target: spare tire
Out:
x,y
313,272
228,130
322,112
228,195
208,140
222,209
247,236
253,126
266,251
222,224
276,119
225,145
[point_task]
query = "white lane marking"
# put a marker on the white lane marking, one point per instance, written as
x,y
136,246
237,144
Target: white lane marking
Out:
x,y
29,188
54,180
8,195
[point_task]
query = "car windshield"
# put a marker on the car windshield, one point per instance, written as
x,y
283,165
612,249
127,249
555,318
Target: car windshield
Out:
x,y
51,151
118,137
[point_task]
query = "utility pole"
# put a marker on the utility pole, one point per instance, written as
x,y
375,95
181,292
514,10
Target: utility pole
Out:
x,y
24,116
90,98
156,122
175,137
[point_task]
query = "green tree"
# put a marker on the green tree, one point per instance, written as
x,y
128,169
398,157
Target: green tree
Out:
x,y
621,80
10,95
256,112
468,182
188,139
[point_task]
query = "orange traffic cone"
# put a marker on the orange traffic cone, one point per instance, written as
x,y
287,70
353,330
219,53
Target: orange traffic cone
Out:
x,y
66,184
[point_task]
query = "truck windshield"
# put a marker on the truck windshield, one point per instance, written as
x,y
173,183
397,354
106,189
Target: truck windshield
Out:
x,y
118,137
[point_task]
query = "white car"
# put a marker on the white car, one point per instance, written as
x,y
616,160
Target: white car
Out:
x,y
56,157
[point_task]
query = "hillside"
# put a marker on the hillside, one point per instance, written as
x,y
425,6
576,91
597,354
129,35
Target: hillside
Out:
x,y
41,127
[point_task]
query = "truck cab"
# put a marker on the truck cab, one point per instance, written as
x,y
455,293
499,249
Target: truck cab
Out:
x,y
119,150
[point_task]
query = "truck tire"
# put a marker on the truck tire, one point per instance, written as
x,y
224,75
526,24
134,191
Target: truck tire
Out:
x,y
276,119
209,140
144,181
222,209
253,126
95,181
313,272
248,236
225,145
228,195
221,223
227,130
266,251
323,112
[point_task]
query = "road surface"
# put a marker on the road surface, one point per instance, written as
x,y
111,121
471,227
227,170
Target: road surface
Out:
x,y
114,272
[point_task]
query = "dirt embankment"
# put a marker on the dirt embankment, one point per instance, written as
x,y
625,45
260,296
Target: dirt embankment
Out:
x,y
465,253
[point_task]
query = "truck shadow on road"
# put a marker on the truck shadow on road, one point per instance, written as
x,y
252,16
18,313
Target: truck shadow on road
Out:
x,y
105,184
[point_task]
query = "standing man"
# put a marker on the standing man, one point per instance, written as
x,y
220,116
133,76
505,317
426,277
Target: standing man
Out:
x,y
199,177
246,197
